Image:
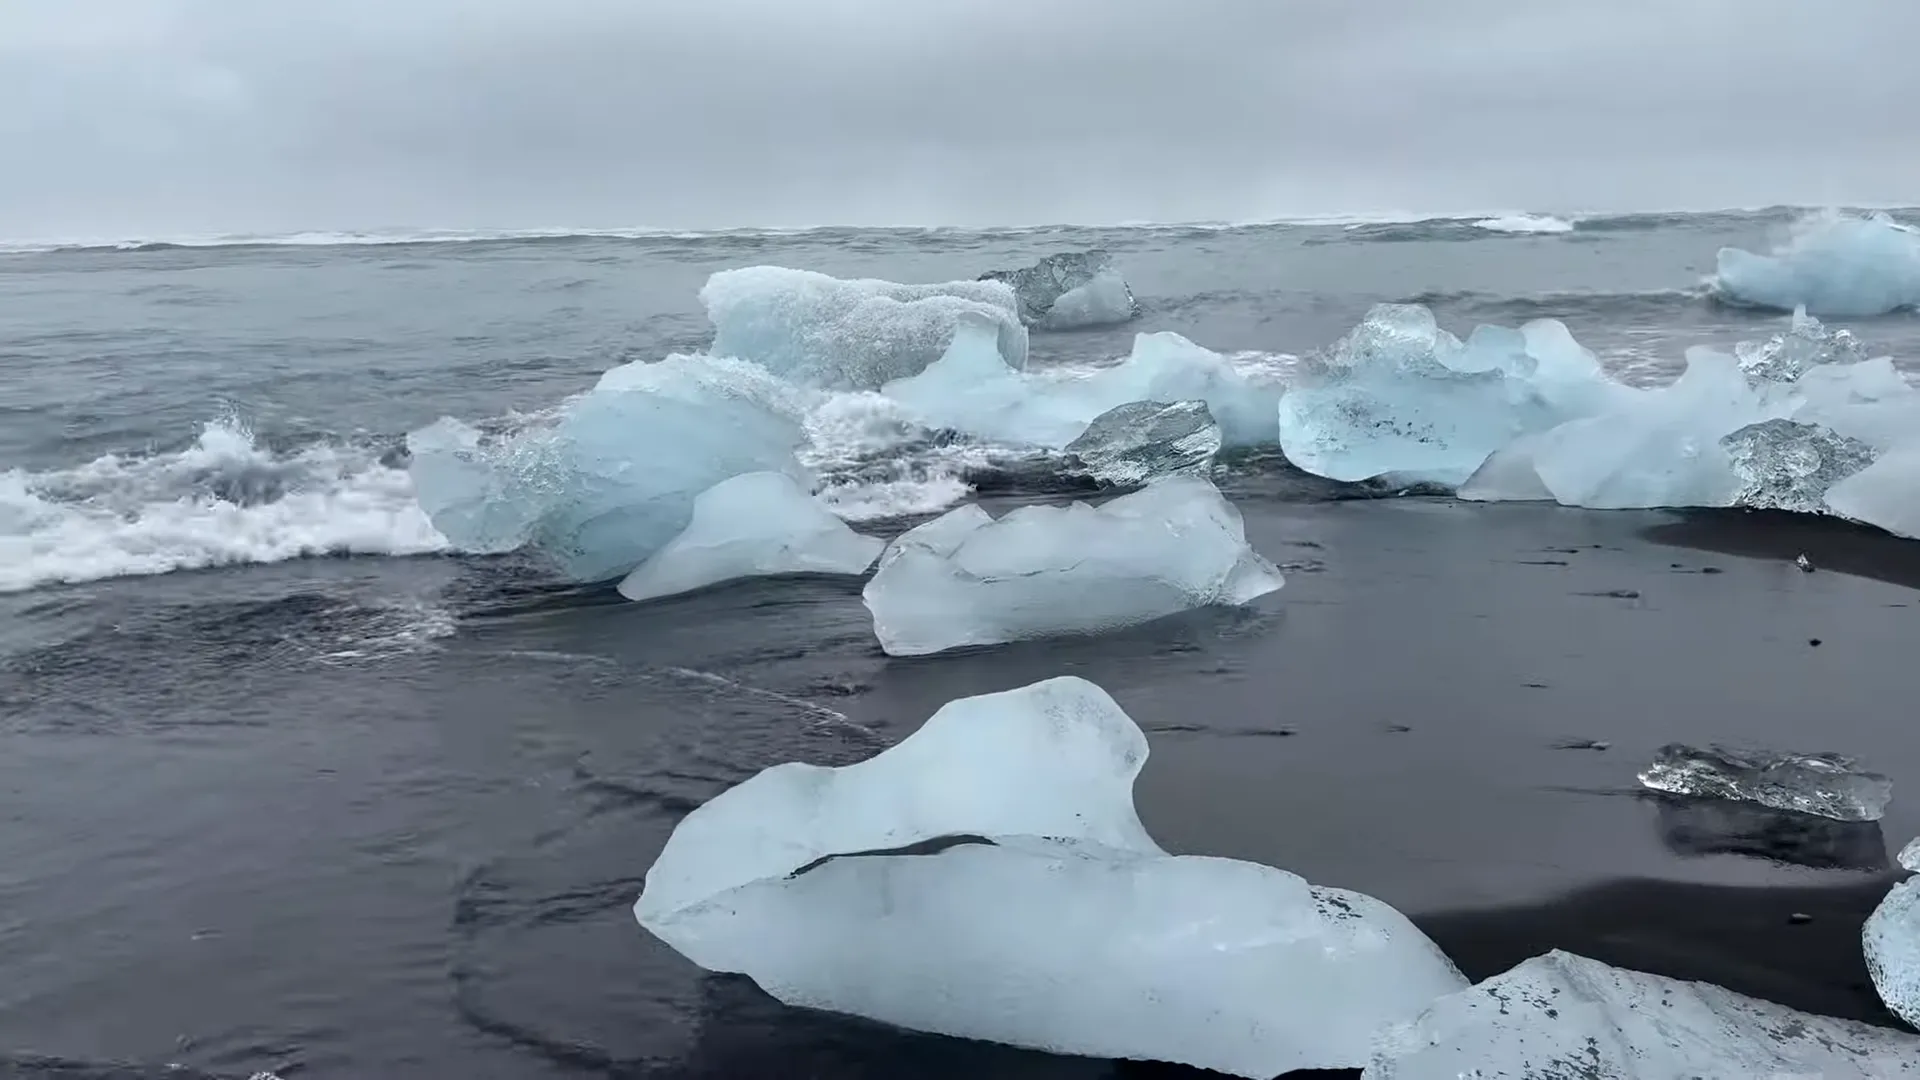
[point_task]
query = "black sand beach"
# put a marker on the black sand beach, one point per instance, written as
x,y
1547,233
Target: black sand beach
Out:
x,y
1412,716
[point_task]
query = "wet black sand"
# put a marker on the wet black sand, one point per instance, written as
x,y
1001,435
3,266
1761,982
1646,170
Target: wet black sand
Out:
x,y
220,851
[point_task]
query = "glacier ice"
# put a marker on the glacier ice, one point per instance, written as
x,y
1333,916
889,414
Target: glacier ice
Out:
x,y
1070,290
988,877
1826,785
1400,396
971,389
1043,571
1786,465
849,334
1835,264
1130,444
1565,1016
612,476
1791,423
751,525
1891,941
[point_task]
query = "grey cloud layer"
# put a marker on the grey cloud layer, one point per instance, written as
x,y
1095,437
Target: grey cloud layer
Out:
x,y
151,117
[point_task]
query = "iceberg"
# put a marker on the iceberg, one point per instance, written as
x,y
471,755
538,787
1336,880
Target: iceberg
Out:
x,y
972,389
752,525
1562,1015
1070,291
1042,571
849,334
1400,396
1834,264
1825,785
1891,941
989,878
611,477
1130,444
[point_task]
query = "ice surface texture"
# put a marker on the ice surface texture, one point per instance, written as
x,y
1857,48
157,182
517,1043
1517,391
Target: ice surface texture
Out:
x,y
1826,785
1835,264
972,389
849,334
1130,444
1891,941
989,878
1399,396
1041,571
747,526
611,477
1565,1017
1071,290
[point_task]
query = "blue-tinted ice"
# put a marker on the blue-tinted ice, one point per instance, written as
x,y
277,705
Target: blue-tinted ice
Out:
x,y
1835,264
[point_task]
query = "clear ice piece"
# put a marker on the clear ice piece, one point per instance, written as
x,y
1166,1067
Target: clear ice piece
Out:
x,y
1070,290
752,525
1826,785
1043,571
989,878
1130,444
1565,1017
1909,856
1787,465
1803,346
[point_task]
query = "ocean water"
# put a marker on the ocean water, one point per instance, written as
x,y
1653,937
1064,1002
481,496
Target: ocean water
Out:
x,y
289,786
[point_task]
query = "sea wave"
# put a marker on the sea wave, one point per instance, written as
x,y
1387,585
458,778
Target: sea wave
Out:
x,y
223,500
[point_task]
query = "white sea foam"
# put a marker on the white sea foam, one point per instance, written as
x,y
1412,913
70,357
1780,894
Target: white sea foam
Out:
x,y
223,500
1525,223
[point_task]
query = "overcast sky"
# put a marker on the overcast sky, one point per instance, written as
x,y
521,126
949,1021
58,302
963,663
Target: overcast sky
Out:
x,y
125,118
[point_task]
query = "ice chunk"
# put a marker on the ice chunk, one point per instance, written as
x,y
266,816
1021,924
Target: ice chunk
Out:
x,y
1041,571
1835,264
751,525
1128,445
970,389
1400,396
611,477
1785,465
849,334
1508,475
1891,942
1565,1016
1070,290
989,878
1910,856
1827,785
1805,345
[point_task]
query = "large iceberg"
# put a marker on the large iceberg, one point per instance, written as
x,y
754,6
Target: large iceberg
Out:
x,y
611,476
1825,785
1562,1017
1398,396
1070,291
1131,444
989,878
1835,264
1891,941
1042,571
752,525
972,389
849,334
1794,423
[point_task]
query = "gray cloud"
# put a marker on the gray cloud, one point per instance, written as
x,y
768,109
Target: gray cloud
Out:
x,y
157,117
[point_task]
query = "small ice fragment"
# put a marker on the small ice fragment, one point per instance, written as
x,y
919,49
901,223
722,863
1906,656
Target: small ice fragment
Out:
x,y
1803,562
1565,1016
1891,941
1826,785
1070,290
752,525
1040,571
1787,465
1131,444
989,878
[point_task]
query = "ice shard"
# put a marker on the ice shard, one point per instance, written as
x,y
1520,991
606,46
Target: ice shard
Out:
x,y
1826,785
1130,444
1070,290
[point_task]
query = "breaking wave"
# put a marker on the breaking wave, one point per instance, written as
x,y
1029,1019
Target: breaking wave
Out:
x,y
223,500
